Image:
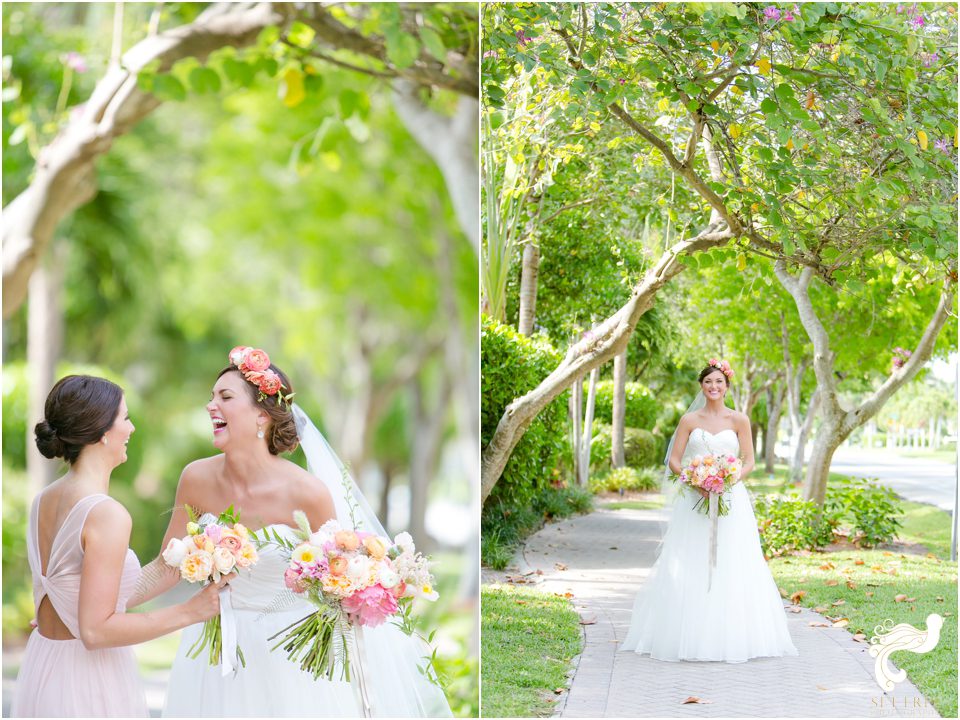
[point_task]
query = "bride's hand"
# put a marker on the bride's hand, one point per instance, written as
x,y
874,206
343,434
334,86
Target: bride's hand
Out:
x,y
206,603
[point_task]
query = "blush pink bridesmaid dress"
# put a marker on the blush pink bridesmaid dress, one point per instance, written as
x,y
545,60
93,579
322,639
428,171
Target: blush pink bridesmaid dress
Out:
x,y
61,678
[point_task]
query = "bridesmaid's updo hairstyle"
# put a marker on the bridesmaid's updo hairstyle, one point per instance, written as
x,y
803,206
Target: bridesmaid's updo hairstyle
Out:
x,y
282,432
78,412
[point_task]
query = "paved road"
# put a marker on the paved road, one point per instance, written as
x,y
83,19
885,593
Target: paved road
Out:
x,y
605,557
926,481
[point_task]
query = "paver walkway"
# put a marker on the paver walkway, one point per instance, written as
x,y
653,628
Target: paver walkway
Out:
x,y
602,558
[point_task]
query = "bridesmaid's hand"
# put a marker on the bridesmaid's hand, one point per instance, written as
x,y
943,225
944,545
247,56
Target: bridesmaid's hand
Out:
x,y
206,603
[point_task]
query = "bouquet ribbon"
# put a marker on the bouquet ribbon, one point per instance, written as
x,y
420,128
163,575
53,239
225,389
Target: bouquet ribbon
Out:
x,y
714,515
228,628
361,676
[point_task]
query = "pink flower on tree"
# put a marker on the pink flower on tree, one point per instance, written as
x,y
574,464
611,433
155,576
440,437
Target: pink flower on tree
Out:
x,y
370,606
771,13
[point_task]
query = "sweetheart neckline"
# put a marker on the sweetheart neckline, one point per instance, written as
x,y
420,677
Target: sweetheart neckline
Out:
x,y
716,433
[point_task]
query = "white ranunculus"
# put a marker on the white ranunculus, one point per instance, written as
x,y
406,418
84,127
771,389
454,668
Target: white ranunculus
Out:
x,y
224,560
358,569
175,552
404,541
388,577
319,538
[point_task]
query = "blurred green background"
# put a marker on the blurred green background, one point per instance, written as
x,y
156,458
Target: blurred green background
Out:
x,y
285,206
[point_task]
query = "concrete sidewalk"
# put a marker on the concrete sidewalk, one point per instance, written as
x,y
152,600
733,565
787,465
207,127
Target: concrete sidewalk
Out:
x,y
602,558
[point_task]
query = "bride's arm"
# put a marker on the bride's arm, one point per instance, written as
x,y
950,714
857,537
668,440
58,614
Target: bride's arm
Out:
x,y
745,436
156,577
679,444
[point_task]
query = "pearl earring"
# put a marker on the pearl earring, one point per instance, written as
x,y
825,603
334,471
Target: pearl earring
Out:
x,y
104,439
260,432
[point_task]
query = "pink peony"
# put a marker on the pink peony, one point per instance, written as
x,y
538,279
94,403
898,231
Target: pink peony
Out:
x,y
292,579
370,606
236,355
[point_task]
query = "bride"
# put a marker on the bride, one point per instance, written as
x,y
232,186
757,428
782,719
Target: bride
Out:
x,y
254,421
687,610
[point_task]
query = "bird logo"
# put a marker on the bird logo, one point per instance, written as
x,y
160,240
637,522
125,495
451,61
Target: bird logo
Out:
x,y
889,638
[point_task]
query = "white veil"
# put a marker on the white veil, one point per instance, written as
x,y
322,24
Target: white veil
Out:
x,y
670,488
391,659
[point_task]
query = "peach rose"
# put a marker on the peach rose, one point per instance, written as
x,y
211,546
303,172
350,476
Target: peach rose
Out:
x,y
202,542
256,360
337,584
338,565
241,530
236,355
271,383
247,556
254,377
375,547
224,560
346,539
196,566
230,539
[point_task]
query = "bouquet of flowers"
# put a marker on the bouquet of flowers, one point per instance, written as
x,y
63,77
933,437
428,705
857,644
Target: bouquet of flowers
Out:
x,y
713,473
213,547
354,579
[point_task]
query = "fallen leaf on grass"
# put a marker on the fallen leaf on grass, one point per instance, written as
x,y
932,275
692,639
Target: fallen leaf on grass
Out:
x,y
814,623
820,609
858,561
520,602
839,603
868,593
696,700
852,585
827,566
831,583
563,595
885,552
899,598
558,691
797,596
939,599
842,623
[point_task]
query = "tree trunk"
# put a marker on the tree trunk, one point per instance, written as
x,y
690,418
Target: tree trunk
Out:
x,y
44,341
430,416
528,287
65,176
576,409
796,467
587,438
618,456
838,422
384,509
609,338
774,410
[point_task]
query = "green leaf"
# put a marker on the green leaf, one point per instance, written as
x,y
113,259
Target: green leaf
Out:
x,y
784,92
433,43
203,80
354,103
402,49
239,72
300,34
769,106
167,87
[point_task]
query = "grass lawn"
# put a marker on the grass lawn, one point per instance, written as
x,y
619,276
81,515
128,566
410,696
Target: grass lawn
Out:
x,y
926,525
865,596
528,641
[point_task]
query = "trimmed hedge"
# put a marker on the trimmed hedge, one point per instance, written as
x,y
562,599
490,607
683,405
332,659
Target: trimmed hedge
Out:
x,y
627,478
640,447
513,365
641,410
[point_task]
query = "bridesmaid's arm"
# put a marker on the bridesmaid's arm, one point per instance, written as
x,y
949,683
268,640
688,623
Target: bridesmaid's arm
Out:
x,y
105,539
745,435
157,577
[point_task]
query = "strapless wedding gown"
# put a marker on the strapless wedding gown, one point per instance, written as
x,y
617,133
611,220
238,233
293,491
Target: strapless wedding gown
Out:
x,y
270,685
741,616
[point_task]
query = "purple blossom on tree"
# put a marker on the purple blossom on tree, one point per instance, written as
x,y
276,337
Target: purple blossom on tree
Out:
x,y
917,22
771,13
943,146
928,59
522,38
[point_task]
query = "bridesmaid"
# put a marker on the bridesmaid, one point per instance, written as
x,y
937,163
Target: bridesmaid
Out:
x,y
75,663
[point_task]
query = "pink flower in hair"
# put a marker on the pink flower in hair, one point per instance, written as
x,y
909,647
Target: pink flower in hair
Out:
x,y
236,355
256,360
270,384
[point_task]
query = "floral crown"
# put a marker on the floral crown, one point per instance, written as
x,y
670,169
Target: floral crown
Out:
x,y
721,365
254,364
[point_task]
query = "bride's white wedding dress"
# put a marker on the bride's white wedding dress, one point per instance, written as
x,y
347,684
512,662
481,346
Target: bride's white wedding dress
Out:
x,y
741,616
271,685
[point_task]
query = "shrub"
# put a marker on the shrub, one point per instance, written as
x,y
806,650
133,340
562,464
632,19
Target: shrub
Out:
x,y
641,408
640,447
504,526
789,523
512,365
871,509
627,478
